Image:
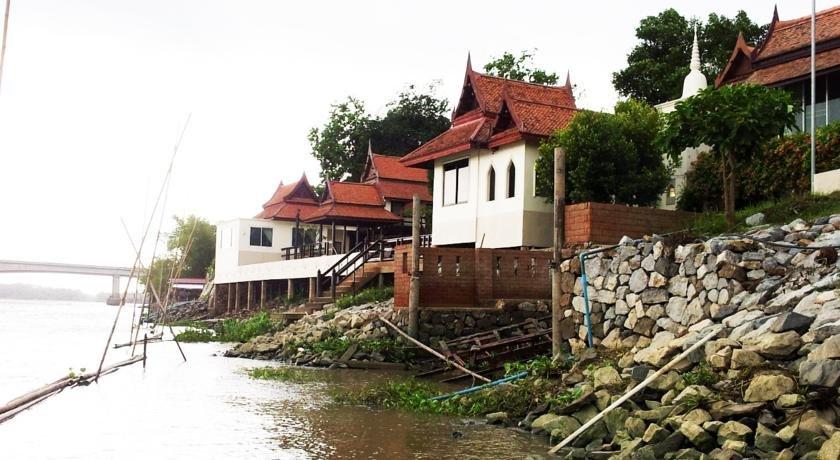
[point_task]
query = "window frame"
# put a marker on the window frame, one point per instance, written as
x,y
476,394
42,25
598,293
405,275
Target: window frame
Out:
x,y
510,191
458,166
264,237
491,184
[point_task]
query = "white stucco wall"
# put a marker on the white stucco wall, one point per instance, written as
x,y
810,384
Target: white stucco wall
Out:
x,y
827,182
233,242
521,220
279,270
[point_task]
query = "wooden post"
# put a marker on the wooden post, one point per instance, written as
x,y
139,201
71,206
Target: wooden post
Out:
x,y
559,227
344,240
312,284
262,295
230,298
332,238
414,287
236,301
290,291
250,296
145,341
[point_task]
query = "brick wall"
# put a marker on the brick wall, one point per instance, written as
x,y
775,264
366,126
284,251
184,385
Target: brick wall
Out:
x,y
466,277
603,223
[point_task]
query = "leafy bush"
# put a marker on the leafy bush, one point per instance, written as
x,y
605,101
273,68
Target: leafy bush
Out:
x,y
609,158
702,374
230,330
781,168
365,296
541,366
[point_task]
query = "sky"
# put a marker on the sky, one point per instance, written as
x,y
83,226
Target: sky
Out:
x,y
95,93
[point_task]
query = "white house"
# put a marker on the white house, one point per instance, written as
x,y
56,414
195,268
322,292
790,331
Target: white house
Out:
x,y
484,165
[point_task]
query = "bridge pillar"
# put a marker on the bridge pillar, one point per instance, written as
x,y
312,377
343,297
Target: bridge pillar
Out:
x,y
115,297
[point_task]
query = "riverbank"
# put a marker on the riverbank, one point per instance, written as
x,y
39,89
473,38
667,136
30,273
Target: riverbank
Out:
x,y
765,385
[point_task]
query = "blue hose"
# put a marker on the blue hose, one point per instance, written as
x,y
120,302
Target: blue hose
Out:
x,y
584,282
518,376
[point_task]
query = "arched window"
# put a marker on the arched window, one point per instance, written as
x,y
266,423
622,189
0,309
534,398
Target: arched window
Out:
x,y
511,180
491,184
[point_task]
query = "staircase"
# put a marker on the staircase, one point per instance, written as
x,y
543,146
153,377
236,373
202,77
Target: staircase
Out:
x,y
348,275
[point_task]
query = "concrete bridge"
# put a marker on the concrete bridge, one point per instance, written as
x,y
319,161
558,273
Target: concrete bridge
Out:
x,y
14,266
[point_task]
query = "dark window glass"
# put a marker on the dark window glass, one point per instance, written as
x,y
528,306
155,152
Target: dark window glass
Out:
x,y
511,185
266,237
255,236
491,185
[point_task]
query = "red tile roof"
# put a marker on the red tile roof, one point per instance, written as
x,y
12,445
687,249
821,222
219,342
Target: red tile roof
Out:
x,y
352,201
784,54
540,110
404,191
388,167
289,200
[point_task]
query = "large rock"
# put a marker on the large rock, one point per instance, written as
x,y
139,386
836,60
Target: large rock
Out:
x,y
651,296
564,426
546,422
823,372
745,359
773,345
791,321
734,431
638,281
606,377
697,436
830,449
659,351
830,349
768,387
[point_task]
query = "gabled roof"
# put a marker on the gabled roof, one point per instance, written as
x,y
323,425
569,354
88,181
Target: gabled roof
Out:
x,y
539,110
388,167
777,59
351,201
403,191
289,201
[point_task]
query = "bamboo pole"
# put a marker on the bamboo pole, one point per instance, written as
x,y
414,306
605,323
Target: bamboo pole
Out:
x,y
140,250
559,224
52,388
434,352
5,36
635,390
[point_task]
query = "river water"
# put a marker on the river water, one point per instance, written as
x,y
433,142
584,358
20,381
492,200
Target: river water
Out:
x,y
204,408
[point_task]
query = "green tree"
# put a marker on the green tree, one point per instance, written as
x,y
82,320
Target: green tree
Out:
x,y
736,120
341,145
658,64
609,158
202,249
411,120
519,68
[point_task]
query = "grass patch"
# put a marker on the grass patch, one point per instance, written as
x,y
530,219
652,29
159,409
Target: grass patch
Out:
x,y
284,374
393,349
702,374
782,211
541,366
230,330
364,296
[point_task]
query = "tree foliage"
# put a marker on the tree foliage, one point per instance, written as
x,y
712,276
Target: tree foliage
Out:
x,y
736,120
609,158
660,61
520,68
198,262
780,168
341,145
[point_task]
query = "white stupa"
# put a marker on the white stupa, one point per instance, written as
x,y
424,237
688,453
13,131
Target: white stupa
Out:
x,y
695,80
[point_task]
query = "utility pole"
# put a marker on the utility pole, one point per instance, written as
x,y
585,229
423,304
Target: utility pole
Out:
x,y
559,237
414,287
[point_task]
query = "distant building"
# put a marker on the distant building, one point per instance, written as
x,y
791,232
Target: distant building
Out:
x,y
186,288
484,165
783,59
693,83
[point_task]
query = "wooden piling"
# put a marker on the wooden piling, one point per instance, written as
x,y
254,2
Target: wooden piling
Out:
x,y
414,287
262,295
236,301
250,295
559,223
145,342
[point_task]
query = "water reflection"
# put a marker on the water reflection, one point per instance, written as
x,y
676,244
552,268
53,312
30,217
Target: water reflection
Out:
x,y
205,408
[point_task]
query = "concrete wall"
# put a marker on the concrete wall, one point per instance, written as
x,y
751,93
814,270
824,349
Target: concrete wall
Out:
x,y
521,220
280,270
827,182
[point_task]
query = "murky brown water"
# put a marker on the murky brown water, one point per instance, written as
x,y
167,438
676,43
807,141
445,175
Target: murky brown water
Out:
x,y
205,408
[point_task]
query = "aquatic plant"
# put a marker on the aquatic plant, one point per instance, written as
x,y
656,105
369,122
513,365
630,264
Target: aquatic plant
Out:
x,y
230,330
284,374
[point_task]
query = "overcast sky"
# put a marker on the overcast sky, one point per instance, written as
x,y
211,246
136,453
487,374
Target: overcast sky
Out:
x,y
95,92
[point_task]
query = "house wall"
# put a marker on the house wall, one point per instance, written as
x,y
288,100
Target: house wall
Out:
x,y
524,218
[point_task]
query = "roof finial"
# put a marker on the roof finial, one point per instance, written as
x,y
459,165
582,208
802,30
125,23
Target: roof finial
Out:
x,y
469,62
370,149
695,53
568,79
775,13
